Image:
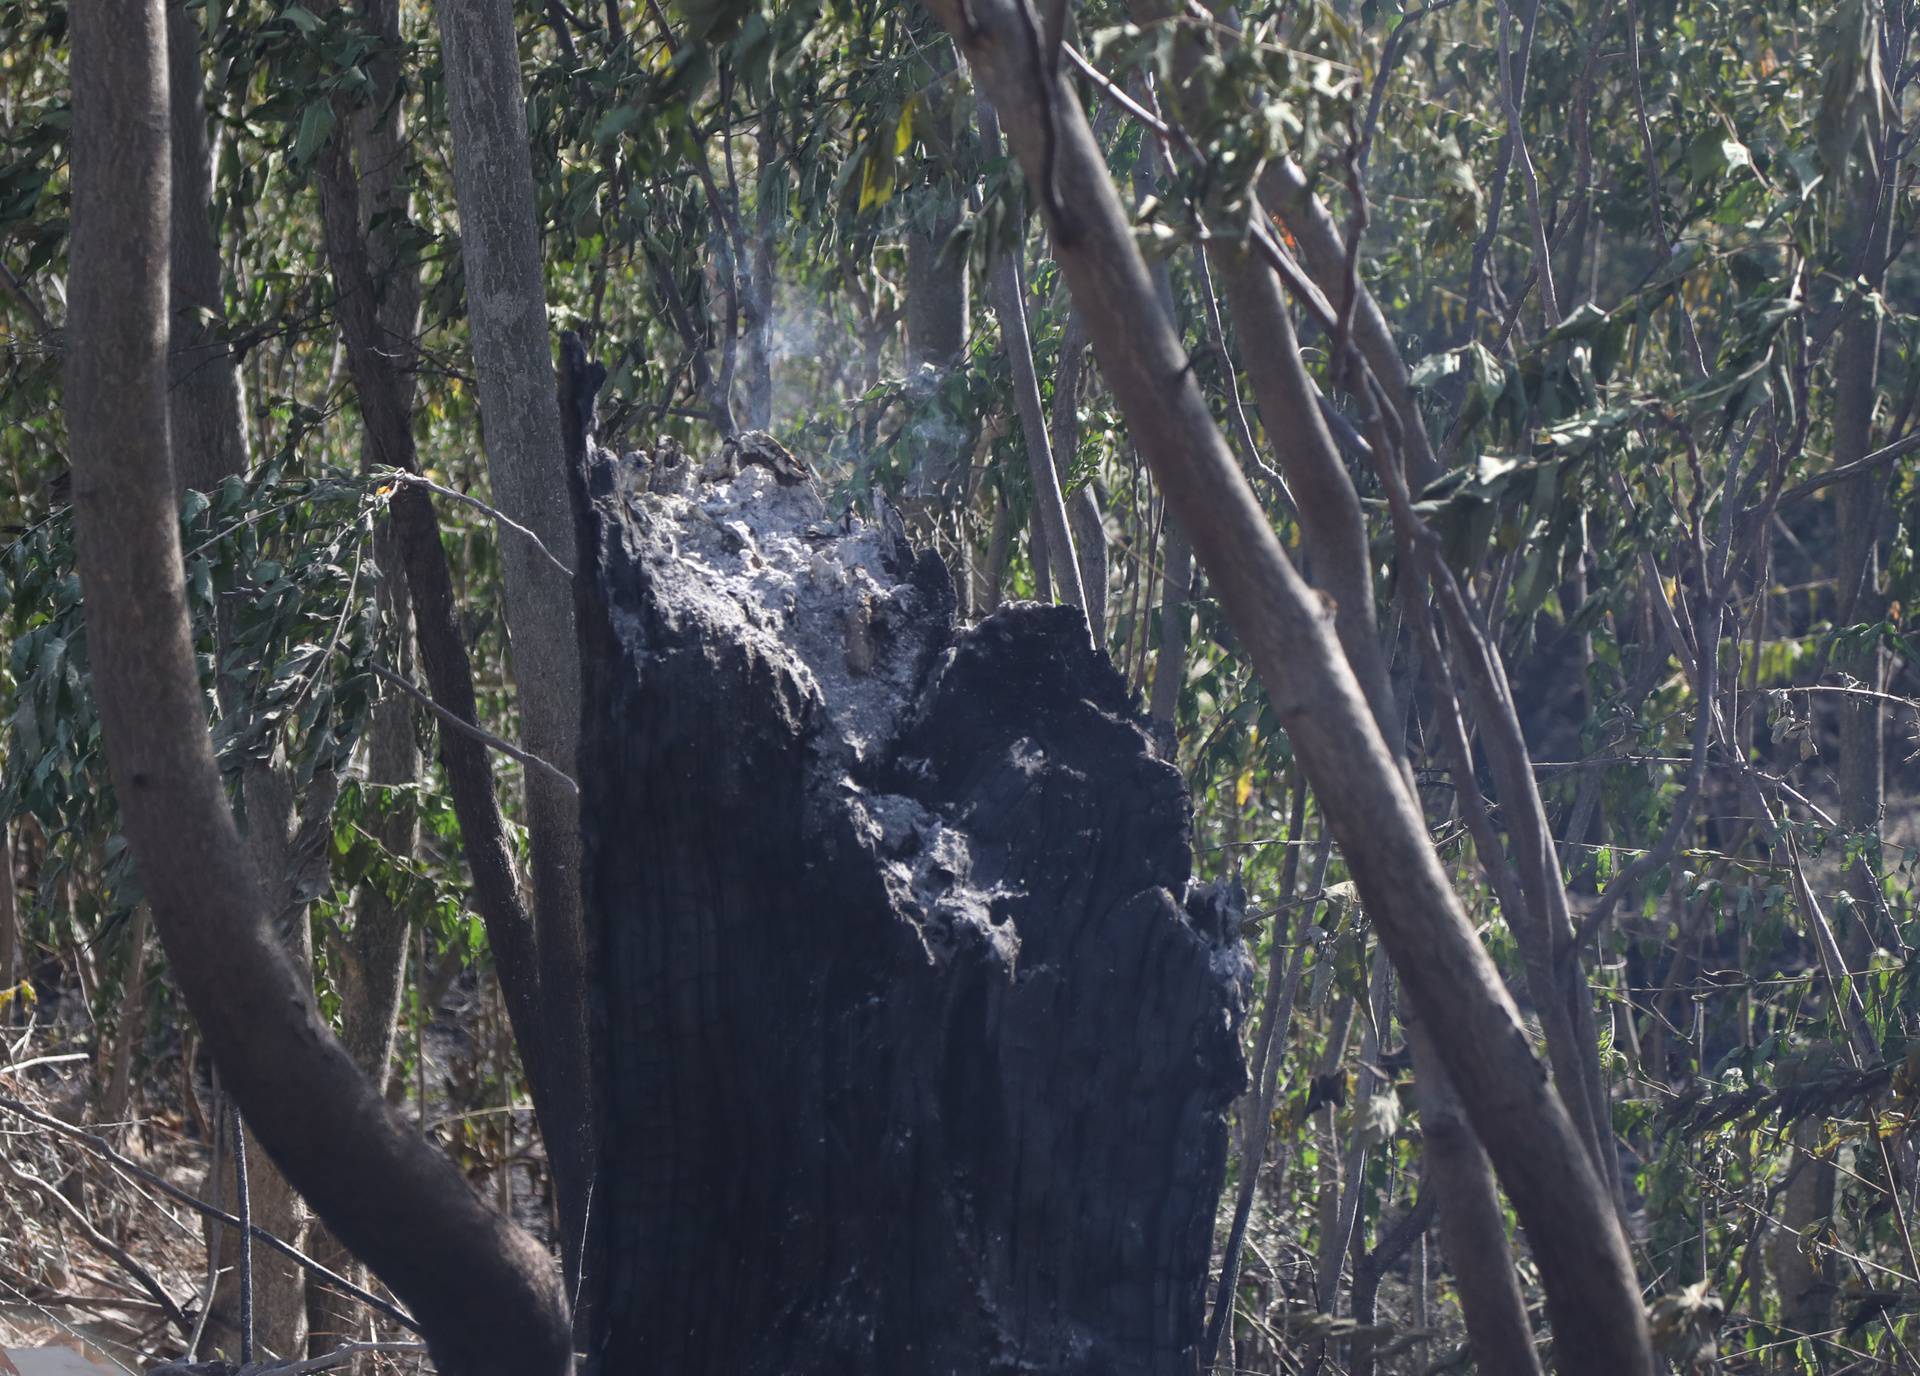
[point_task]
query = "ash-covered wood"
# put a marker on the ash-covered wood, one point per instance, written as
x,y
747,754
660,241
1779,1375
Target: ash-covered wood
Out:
x,y
917,1040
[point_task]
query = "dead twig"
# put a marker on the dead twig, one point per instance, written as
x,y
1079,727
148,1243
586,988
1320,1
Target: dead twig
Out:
x,y
481,734
101,1147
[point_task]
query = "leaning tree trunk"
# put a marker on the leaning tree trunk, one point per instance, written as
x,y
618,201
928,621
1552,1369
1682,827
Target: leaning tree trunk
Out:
x,y
920,1036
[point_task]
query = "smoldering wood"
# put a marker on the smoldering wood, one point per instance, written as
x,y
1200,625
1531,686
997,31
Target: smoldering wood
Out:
x,y
918,1036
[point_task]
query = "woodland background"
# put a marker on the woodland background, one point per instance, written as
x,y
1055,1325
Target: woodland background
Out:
x,y
1624,287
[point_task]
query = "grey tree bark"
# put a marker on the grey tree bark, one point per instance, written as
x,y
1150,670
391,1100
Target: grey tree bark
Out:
x,y
757,363
1083,507
118,1094
506,308
9,918
1545,932
1473,1229
483,1291
207,424
938,284
1176,618
1806,1276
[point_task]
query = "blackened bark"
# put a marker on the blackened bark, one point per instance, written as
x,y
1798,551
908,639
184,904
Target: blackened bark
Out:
x,y
919,1038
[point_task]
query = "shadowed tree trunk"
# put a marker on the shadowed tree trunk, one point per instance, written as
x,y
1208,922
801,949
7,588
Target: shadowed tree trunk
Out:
x,y
920,1037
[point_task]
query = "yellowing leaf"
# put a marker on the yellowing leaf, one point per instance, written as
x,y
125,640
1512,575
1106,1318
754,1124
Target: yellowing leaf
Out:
x,y
1243,788
903,136
876,183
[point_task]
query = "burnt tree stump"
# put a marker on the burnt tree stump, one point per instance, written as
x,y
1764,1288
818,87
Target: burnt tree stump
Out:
x,y
917,1038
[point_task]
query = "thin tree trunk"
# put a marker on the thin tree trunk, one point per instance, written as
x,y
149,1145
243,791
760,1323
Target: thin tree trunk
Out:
x,y
1338,1240
513,357
1860,509
937,292
131,1028
999,551
384,405
1083,508
939,281
370,964
758,363
1170,666
1805,1272
208,402
1473,1230
1276,1020
9,920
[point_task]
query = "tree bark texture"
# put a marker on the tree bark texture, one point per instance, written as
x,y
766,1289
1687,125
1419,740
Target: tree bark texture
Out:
x,y
1083,507
513,359
937,292
920,1038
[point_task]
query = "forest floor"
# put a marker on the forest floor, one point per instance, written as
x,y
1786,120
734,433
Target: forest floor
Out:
x,y
64,1205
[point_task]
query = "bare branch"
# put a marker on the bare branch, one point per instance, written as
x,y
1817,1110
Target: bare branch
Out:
x,y
480,734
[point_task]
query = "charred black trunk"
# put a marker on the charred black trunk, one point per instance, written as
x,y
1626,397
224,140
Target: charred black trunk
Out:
x,y
917,1037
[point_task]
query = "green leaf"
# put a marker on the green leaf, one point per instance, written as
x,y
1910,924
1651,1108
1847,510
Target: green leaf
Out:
x,y
316,127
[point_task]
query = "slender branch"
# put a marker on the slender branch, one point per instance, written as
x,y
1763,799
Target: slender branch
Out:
x,y
399,476
105,1149
1509,91
1847,472
1242,429
44,1060
478,733
243,1199
18,291
103,1244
